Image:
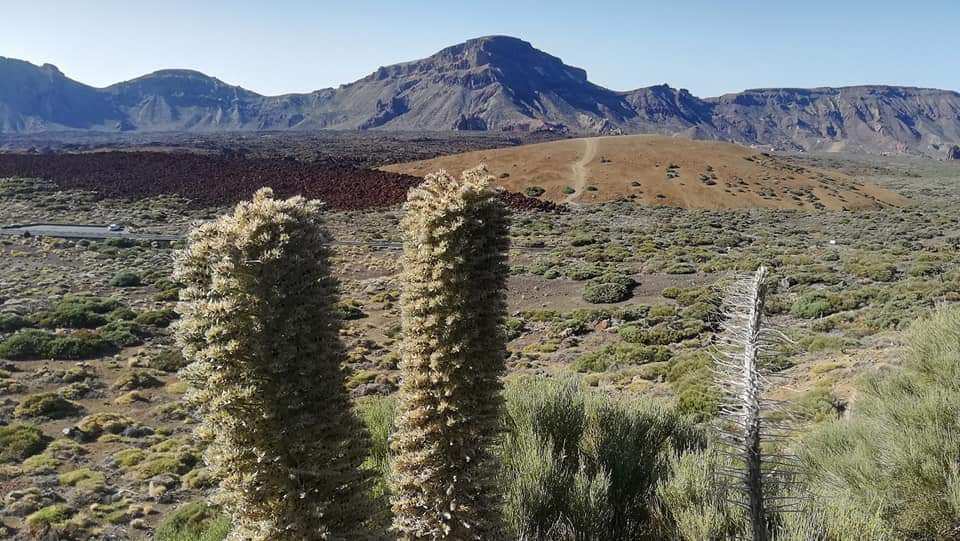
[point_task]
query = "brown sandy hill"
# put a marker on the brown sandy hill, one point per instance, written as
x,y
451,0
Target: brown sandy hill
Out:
x,y
663,170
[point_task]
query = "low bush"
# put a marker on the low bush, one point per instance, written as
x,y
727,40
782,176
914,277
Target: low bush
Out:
x,y
46,405
26,344
377,414
658,335
585,464
816,304
157,318
889,471
126,279
167,360
79,345
692,380
49,517
20,441
77,312
620,355
605,293
195,521
582,239
583,272
349,310
12,322
122,333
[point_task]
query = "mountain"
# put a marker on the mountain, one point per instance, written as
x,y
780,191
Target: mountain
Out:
x,y
495,83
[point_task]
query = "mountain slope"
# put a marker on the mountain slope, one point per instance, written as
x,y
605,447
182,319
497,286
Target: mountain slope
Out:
x,y
41,98
495,83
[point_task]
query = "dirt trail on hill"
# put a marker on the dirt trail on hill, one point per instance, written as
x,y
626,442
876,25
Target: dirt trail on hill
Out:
x,y
659,170
579,168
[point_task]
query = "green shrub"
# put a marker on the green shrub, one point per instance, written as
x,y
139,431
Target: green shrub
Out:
x,y
12,322
534,191
122,333
680,268
167,360
661,311
514,327
616,278
349,310
195,521
586,463
691,378
658,335
49,516
48,405
671,292
19,441
126,279
583,272
605,293
167,295
157,318
697,504
26,344
890,469
77,312
620,355
816,304
122,314
378,414
582,240
568,190
79,345
136,379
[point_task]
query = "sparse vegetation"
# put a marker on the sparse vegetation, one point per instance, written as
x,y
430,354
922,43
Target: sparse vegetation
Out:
x,y
843,304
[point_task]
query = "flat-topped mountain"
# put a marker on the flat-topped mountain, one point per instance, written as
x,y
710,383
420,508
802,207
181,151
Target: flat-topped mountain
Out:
x,y
494,83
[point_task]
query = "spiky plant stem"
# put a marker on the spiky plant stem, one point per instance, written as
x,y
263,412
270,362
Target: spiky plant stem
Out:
x,y
751,408
265,378
453,305
739,376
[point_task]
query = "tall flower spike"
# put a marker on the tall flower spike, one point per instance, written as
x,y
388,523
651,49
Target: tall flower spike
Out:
x,y
259,329
453,305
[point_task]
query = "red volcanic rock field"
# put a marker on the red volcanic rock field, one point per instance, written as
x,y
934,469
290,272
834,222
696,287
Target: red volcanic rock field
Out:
x,y
214,180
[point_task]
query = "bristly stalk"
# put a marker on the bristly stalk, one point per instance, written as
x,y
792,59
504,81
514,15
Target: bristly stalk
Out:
x,y
453,304
260,329
739,377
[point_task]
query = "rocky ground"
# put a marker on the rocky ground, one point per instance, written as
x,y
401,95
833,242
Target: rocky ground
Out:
x,y
95,443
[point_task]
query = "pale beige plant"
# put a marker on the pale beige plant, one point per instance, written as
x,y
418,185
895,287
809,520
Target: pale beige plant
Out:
x,y
453,305
265,376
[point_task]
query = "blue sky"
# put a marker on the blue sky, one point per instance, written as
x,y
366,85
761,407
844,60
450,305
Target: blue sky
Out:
x,y
708,47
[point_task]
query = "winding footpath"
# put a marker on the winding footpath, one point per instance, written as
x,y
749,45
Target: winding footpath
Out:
x,y
579,169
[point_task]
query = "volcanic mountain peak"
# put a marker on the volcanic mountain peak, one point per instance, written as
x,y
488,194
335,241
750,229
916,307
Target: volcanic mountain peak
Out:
x,y
505,59
493,83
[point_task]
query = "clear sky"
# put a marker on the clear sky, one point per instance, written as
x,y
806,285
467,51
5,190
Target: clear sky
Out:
x,y
707,46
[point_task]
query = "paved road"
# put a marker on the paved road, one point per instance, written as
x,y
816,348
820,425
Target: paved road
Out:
x,y
71,231
100,232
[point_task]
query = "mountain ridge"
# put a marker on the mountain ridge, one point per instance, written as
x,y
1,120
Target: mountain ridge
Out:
x,y
491,83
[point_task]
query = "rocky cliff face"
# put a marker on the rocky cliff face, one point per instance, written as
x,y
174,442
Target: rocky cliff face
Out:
x,y
870,118
493,83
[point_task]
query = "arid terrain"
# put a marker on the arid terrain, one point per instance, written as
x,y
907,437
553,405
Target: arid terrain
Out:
x,y
658,170
859,246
